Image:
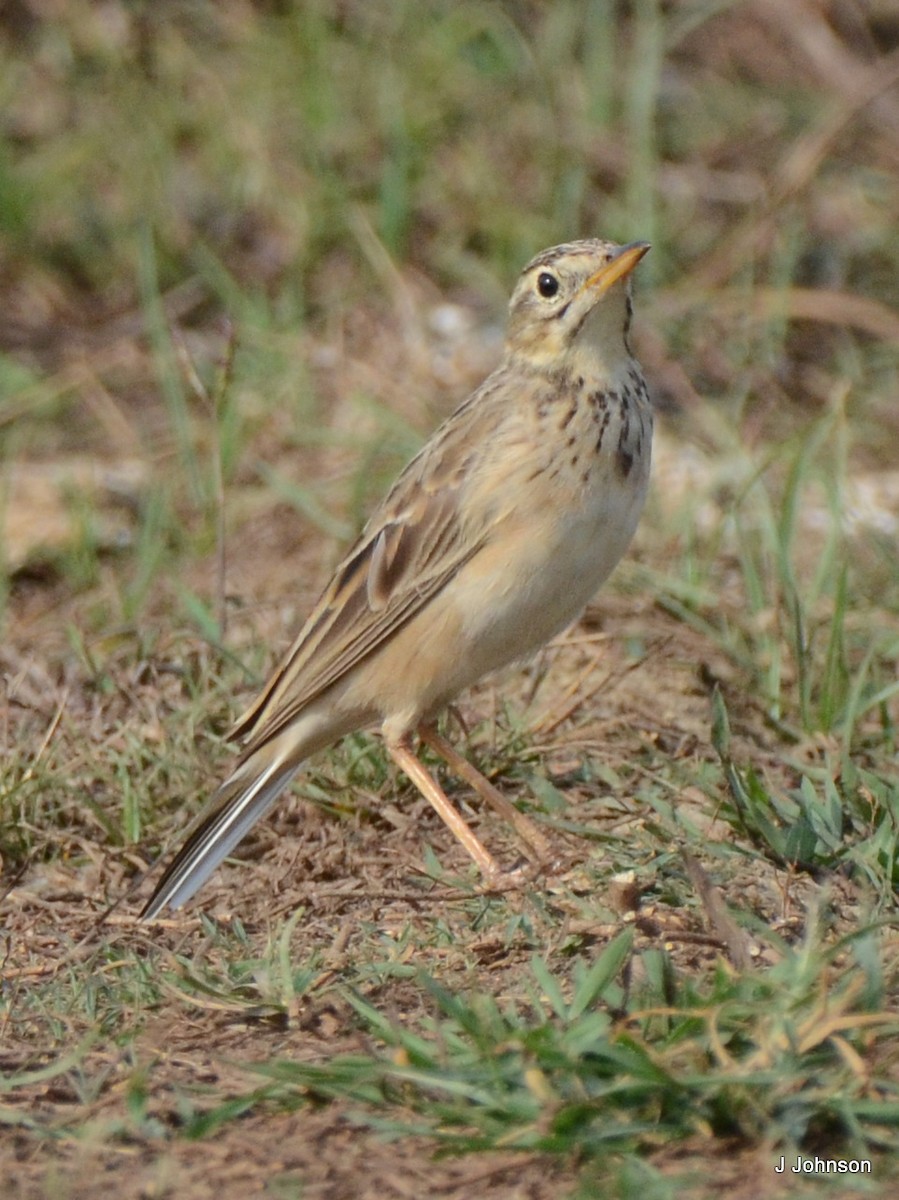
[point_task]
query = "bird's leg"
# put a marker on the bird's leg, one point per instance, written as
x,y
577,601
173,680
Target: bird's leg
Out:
x,y
536,846
402,754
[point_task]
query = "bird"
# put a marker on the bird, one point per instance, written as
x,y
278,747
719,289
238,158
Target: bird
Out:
x,y
491,541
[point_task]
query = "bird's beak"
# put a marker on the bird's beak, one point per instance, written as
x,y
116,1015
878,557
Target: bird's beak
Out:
x,y
617,268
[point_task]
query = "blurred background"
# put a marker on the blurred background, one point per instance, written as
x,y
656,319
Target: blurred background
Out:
x,y
354,186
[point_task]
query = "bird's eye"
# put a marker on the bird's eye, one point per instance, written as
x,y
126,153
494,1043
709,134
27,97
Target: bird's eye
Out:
x,y
547,284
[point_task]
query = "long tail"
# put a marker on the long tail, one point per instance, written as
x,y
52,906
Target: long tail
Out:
x,y
238,804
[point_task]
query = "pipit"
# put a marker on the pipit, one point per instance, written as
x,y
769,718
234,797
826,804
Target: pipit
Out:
x,y
490,542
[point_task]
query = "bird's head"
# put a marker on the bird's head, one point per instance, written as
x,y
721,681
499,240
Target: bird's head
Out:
x,y
573,301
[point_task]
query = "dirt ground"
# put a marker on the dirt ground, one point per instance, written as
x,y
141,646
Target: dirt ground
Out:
x,y
352,873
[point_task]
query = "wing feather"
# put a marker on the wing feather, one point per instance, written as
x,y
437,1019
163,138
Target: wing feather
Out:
x,y
411,549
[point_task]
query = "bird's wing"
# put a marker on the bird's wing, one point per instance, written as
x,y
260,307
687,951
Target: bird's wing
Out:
x,y
412,547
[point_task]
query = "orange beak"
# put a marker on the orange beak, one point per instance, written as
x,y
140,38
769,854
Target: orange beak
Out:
x,y
617,268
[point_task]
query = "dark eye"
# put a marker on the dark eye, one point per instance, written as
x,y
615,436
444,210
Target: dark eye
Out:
x,y
547,284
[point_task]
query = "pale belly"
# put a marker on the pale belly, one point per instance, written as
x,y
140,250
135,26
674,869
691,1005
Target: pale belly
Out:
x,y
539,580
511,598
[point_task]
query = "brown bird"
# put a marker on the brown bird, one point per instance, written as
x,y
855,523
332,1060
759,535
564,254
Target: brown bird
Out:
x,y
491,541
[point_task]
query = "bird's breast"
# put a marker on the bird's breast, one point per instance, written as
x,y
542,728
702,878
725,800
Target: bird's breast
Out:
x,y
570,503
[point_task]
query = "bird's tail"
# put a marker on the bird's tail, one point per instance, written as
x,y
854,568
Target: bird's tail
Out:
x,y
238,804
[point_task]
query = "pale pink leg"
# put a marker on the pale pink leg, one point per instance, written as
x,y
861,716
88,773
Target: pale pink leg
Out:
x,y
405,759
533,839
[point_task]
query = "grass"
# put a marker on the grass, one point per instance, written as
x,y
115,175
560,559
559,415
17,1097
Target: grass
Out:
x,y
748,1058
251,255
